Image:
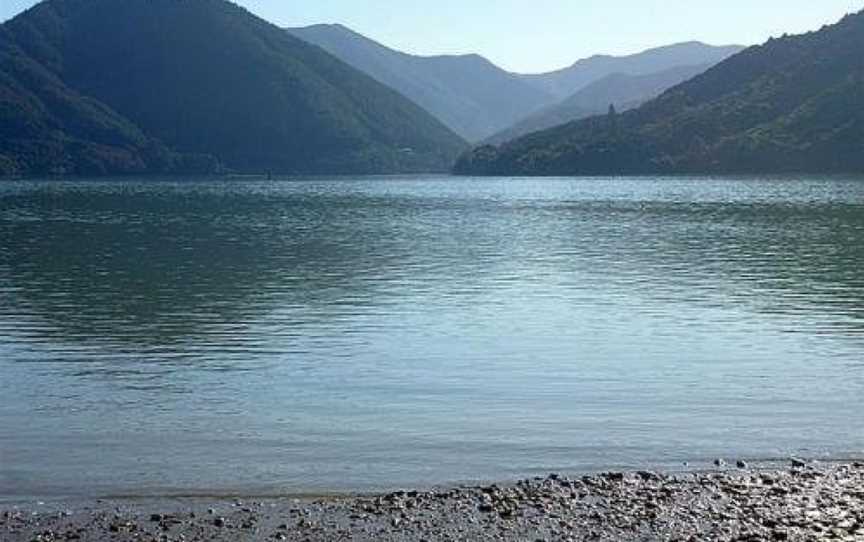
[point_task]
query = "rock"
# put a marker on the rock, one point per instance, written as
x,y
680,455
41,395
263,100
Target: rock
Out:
x,y
798,463
156,517
219,522
614,476
719,463
648,476
742,464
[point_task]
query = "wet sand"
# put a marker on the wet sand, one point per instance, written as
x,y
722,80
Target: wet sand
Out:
x,y
791,502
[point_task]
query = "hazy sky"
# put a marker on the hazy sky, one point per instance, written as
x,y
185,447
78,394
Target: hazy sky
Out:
x,y
540,35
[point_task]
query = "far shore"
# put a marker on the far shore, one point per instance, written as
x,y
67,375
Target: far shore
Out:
x,y
794,501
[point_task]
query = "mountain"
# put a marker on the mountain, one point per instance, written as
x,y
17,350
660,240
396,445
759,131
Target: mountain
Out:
x,y
46,126
468,93
115,86
479,100
621,90
794,104
563,83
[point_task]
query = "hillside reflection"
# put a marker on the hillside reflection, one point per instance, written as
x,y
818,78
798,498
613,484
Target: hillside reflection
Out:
x,y
150,266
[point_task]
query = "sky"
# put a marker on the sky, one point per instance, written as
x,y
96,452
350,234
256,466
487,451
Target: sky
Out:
x,y
531,36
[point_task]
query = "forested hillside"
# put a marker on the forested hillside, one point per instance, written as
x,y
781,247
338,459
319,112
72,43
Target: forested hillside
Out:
x,y
794,104
111,85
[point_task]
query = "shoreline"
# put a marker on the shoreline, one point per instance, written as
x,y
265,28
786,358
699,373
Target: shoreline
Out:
x,y
795,501
701,466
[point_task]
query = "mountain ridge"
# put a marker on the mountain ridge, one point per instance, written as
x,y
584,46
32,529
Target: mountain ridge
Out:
x,y
622,91
267,102
482,101
468,93
569,80
793,104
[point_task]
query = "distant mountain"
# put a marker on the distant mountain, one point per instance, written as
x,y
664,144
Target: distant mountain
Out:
x,y
468,93
621,90
563,83
794,104
118,86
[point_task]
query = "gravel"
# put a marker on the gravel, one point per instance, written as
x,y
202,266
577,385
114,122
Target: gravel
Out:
x,y
807,501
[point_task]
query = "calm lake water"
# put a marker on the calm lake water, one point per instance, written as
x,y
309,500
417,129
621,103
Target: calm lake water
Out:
x,y
162,337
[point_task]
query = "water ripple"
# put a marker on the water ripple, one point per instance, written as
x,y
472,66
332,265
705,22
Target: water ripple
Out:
x,y
332,334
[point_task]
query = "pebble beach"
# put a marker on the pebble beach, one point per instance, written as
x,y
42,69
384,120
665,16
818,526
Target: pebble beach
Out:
x,y
798,501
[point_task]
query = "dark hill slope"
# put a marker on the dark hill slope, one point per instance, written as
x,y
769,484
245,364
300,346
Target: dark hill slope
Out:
x,y
795,104
207,77
47,127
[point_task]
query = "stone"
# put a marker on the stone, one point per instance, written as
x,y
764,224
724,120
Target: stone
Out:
x,y
615,476
648,476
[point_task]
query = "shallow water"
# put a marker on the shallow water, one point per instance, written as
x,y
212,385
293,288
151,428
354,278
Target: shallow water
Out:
x,y
324,335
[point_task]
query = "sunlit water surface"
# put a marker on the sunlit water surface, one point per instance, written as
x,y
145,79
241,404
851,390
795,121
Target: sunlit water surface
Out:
x,y
188,337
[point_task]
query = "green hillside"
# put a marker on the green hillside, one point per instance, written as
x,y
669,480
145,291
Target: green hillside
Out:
x,y
111,85
621,90
794,104
47,127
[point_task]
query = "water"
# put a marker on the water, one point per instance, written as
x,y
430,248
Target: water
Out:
x,y
201,337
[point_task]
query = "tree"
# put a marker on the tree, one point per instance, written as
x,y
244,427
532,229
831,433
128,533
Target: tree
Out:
x,y
612,121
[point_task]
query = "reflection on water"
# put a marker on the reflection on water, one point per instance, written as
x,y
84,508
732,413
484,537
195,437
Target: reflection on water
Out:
x,y
160,336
